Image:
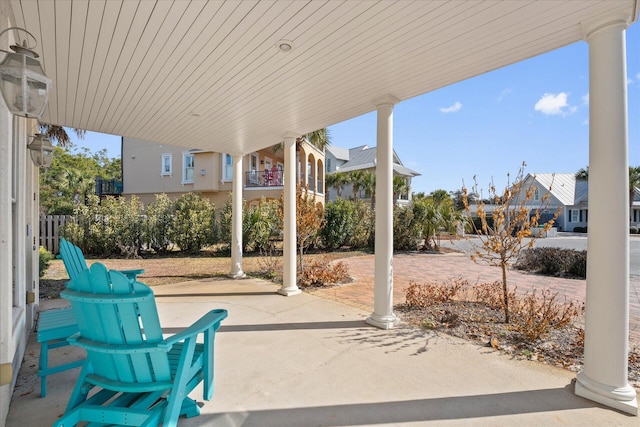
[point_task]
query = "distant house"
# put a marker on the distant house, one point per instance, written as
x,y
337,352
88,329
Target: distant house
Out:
x,y
149,168
362,158
572,196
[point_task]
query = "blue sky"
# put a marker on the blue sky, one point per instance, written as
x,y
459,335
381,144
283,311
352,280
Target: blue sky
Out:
x,y
534,111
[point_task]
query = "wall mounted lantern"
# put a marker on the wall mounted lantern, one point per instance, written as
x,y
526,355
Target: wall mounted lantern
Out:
x,y
23,83
41,151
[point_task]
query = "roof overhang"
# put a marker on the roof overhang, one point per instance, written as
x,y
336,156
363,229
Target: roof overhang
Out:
x,y
210,75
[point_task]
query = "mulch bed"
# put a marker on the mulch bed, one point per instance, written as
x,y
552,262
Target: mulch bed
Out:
x,y
476,322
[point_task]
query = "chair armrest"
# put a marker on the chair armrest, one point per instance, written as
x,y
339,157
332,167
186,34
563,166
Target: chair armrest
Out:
x,y
210,320
131,274
78,341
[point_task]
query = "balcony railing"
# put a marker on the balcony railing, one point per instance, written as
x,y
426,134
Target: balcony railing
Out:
x,y
108,187
263,178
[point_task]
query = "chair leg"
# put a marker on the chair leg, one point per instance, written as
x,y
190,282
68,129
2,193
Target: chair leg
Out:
x,y
44,363
189,408
81,389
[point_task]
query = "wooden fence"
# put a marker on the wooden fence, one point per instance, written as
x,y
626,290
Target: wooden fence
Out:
x,y
50,226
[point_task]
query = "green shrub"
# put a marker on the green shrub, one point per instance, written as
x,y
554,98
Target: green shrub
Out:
x,y
634,230
193,226
260,223
363,236
339,224
158,223
44,258
405,233
579,229
125,222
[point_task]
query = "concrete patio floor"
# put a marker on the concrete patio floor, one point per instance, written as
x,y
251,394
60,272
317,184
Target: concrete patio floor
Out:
x,y
311,361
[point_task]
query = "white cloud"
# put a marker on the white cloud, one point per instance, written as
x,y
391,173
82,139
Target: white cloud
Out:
x,y
585,99
554,104
586,122
453,109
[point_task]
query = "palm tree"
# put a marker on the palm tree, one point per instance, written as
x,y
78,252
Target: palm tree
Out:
x,y
337,180
369,186
400,187
320,139
583,174
59,134
358,180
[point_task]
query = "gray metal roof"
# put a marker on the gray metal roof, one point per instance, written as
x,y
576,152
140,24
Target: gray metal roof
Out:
x,y
563,186
338,152
364,157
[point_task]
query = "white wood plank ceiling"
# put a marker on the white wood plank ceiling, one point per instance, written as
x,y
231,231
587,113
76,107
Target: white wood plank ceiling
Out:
x,y
208,74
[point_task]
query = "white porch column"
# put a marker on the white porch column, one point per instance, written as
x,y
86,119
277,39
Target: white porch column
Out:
x,y
289,283
382,316
236,220
604,376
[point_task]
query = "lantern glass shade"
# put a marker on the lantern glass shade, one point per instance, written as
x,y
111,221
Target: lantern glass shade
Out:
x,y
24,86
41,151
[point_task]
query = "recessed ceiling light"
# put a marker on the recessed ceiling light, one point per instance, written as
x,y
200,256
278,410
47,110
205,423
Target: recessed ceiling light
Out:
x,y
285,45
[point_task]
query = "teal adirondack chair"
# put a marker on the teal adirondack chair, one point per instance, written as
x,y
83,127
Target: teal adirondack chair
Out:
x,y
140,378
55,326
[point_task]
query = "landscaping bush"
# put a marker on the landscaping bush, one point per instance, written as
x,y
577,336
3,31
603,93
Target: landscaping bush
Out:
x,y
260,223
404,229
125,222
321,273
579,229
426,294
363,236
339,224
158,223
634,230
44,259
535,315
194,222
90,228
553,262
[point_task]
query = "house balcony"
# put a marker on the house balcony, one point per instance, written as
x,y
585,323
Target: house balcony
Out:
x,y
264,178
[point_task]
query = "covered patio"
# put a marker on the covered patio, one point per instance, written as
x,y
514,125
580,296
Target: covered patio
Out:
x,y
311,361
236,77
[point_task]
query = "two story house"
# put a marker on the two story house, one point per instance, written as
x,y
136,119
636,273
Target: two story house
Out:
x,y
150,168
363,158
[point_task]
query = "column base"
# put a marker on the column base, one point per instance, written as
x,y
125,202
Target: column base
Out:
x,y
239,275
287,292
623,399
382,322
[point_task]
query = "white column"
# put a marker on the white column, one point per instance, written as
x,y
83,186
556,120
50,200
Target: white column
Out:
x,y
289,284
236,220
383,316
604,377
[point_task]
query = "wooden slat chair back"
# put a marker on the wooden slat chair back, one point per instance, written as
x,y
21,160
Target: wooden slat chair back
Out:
x,y
141,378
55,326
74,261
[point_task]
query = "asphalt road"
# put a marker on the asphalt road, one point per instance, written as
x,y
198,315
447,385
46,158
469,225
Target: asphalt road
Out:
x,y
568,241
